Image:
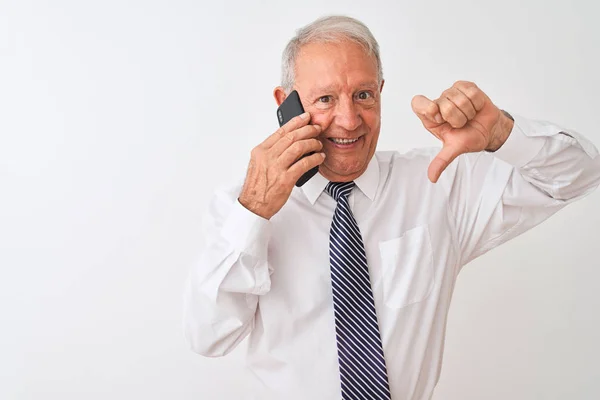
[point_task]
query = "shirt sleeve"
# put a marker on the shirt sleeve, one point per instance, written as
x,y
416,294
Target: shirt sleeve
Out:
x,y
494,197
222,289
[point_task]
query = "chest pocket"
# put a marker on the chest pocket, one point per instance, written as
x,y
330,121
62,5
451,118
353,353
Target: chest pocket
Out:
x,y
407,268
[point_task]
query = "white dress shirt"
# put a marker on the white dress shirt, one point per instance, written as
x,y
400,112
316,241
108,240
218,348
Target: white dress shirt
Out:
x,y
269,280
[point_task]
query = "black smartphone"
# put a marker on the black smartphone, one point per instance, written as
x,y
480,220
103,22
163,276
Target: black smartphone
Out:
x,y
290,108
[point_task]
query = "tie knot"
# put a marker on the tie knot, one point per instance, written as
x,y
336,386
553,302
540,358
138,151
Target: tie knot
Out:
x,y
338,190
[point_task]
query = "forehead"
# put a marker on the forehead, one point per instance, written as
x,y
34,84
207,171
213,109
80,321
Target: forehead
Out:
x,y
342,65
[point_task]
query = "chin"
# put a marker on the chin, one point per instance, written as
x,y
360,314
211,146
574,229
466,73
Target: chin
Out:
x,y
345,168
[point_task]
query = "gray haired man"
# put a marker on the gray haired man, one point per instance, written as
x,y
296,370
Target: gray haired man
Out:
x,y
342,286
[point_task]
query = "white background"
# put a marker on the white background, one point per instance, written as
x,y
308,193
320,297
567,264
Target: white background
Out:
x,y
119,118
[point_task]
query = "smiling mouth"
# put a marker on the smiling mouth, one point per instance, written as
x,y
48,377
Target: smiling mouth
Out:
x,y
343,141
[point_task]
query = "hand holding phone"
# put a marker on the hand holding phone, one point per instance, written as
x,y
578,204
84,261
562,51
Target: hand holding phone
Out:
x,y
291,107
288,157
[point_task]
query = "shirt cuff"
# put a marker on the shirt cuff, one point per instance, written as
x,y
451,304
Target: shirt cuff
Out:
x,y
524,142
247,232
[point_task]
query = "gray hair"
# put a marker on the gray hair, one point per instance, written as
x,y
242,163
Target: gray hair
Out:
x,y
327,29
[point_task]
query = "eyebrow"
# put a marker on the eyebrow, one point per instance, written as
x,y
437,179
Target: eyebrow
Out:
x,y
331,88
369,85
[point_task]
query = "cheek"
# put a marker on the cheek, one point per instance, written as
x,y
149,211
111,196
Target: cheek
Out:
x,y
321,119
372,121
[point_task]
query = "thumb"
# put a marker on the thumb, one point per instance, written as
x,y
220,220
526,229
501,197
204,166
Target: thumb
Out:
x,y
441,161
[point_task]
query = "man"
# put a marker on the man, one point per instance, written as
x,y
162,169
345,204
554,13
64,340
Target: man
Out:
x,y
342,286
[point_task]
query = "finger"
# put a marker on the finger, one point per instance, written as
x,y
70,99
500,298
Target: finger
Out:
x,y
460,100
451,113
297,150
477,97
288,139
427,111
293,124
441,162
299,168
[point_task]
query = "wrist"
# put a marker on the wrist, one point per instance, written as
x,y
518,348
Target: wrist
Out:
x,y
503,129
253,207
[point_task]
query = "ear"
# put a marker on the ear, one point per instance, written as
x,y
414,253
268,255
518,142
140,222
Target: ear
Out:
x,y
381,87
279,94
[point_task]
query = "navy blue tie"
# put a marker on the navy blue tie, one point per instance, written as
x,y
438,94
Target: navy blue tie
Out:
x,y
360,354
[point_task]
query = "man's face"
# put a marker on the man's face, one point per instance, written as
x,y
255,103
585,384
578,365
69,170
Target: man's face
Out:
x,y
338,86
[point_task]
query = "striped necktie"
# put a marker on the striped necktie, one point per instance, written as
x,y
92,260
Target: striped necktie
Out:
x,y
360,354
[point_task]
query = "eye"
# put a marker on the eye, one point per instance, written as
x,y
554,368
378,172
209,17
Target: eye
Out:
x,y
364,95
324,99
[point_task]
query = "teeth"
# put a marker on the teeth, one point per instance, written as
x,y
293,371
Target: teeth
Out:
x,y
344,141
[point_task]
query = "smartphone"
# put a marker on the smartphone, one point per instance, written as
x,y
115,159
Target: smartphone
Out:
x,y
290,108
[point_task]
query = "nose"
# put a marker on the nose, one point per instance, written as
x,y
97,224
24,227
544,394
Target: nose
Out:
x,y
347,115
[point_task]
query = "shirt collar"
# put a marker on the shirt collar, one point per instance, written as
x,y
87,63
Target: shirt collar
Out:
x,y
367,183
